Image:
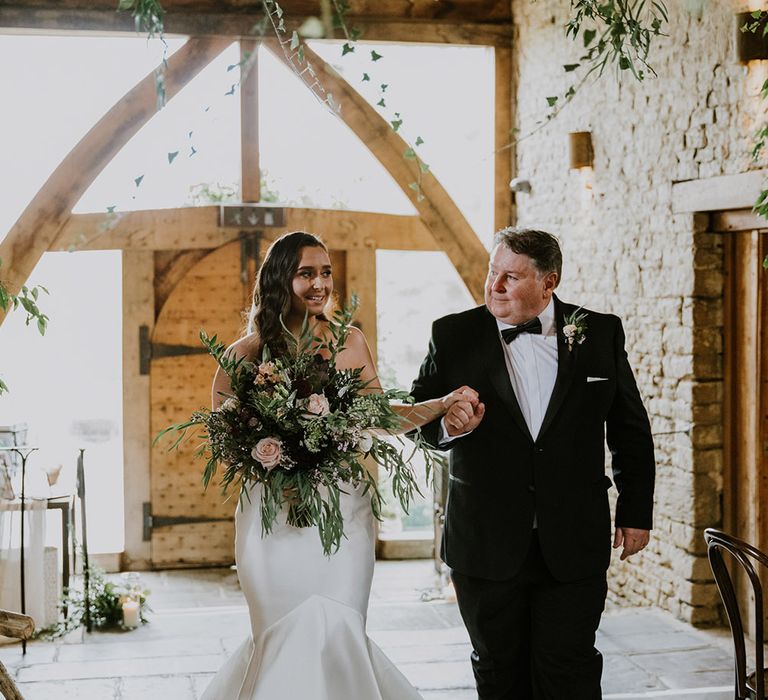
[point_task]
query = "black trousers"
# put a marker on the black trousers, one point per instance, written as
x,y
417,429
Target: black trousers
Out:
x,y
533,637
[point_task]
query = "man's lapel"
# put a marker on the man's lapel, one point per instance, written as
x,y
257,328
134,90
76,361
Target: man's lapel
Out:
x,y
496,367
567,361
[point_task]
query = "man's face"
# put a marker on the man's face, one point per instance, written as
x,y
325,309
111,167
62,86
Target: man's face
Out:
x,y
514,290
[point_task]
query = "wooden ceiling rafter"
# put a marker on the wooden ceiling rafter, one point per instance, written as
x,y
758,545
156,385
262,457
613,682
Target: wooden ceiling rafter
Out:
x,y
43,225
478,22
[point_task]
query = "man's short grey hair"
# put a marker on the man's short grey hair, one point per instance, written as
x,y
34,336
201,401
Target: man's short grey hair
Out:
x,y
541,247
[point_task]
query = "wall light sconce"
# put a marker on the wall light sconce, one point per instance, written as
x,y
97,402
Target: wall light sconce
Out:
x,y
750,46
520,184
580,149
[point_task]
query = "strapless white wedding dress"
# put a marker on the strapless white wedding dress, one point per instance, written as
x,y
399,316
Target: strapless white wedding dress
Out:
x,y
308,614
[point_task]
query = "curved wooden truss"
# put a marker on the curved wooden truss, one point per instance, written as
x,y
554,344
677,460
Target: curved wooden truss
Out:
x,y
436,209
44,223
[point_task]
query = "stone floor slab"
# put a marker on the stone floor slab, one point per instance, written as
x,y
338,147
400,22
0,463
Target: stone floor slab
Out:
x,y
439,675
200,618
157,688
98,689
64,670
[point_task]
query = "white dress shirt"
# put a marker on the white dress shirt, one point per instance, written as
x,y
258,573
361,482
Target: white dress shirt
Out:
x,y
532,365
531,361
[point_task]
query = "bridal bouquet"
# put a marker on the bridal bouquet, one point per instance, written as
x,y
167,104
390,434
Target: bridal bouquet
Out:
x,y
301,428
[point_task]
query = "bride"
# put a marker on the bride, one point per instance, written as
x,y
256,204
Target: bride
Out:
x,y
308,610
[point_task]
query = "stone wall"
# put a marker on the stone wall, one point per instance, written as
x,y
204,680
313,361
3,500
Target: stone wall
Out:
x,y
627,253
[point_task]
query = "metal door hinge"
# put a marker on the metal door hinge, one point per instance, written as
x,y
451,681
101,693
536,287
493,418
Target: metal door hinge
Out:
x,y
154,521
151,351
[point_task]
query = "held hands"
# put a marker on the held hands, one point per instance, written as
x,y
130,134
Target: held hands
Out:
x,y
633,540
465,411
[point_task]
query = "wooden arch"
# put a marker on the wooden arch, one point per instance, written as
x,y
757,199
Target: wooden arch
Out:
x,y
37,228
187,235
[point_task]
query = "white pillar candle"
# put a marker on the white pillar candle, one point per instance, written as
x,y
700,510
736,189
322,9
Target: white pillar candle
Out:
x,y
131,616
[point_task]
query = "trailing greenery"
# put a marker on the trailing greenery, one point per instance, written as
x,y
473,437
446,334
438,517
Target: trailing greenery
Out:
x,y
105,603
27,300
148,18
301,428
615,33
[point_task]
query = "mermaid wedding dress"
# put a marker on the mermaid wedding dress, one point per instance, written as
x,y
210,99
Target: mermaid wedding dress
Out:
x,y
307,614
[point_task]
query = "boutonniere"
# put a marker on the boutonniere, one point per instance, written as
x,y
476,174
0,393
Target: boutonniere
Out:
x,y
575,328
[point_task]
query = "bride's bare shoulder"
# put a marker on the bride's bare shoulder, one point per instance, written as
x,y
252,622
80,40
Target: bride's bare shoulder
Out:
x,y
356,352
247,347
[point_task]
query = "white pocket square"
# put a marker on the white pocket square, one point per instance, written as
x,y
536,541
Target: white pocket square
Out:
x,y
597,379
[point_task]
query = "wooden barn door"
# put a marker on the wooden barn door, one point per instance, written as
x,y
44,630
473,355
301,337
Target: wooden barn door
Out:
x,y
746,390
189,526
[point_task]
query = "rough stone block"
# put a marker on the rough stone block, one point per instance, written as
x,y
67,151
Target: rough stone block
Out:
x,y
704,436
707,282
708,366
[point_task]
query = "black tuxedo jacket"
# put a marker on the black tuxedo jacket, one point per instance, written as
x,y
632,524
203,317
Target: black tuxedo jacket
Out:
x,y
500,476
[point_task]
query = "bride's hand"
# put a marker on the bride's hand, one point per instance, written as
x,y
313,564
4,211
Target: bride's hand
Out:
x,y
464,393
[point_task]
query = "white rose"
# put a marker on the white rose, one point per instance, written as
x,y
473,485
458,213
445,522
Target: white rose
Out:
x,y
569,330
365,443
318,405
230,404
268,451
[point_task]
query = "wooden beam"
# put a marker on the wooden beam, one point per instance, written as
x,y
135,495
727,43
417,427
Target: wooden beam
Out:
x,y
198,227
503,137
250,172
457,11
718,193
361,280
138,310
737,220
84,22
437,210
37,227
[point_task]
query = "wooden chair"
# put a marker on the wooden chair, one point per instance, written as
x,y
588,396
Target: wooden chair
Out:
x,y
749,686
16,626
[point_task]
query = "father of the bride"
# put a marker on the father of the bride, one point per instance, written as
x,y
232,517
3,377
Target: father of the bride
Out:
x,y
527,525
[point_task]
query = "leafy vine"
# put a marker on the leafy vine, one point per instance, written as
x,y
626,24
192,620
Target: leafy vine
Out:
x,y
27,300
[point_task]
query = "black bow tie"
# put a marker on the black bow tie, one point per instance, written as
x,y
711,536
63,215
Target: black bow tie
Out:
x,y
532,326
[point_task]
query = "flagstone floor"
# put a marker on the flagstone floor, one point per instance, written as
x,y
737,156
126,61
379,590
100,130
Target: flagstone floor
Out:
x,y
200,617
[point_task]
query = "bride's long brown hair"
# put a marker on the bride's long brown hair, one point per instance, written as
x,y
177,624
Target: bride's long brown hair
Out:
x,y
272,291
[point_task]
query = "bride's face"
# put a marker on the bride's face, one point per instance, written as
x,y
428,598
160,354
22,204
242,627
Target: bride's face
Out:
x,y
312,284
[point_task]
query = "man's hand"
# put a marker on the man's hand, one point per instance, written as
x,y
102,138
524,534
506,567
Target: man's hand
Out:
x,y
633,540
464,416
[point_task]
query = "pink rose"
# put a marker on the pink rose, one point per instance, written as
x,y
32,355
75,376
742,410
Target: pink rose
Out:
x,y
318,405
268,451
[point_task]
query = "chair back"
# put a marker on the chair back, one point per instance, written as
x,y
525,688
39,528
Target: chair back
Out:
x,y
743,553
